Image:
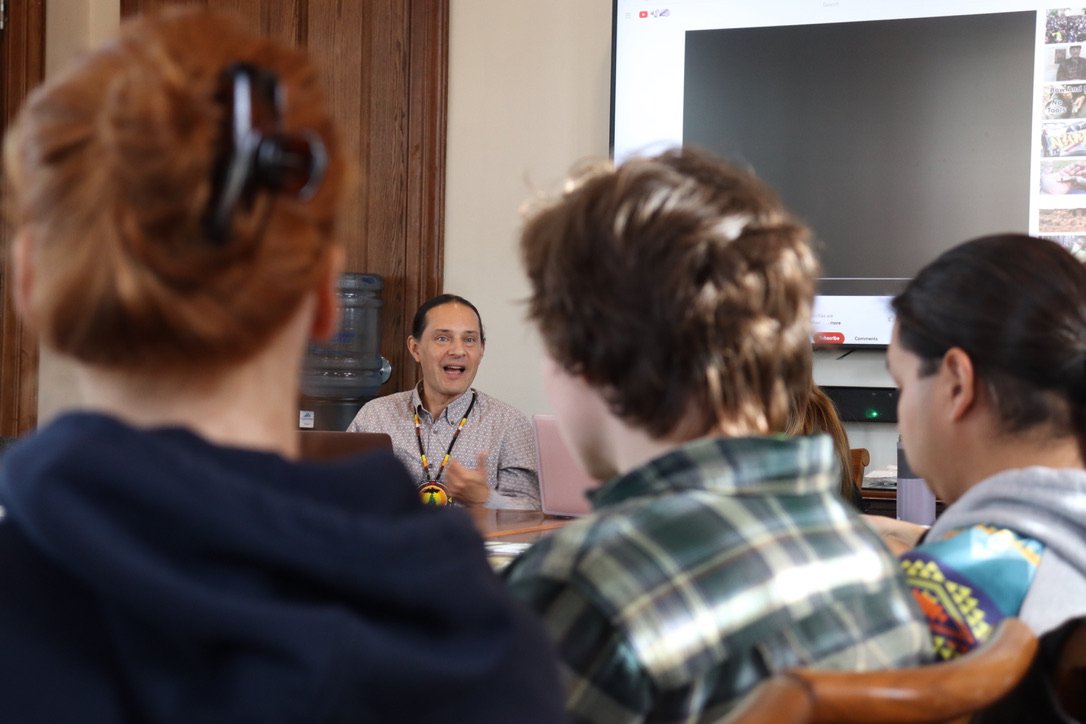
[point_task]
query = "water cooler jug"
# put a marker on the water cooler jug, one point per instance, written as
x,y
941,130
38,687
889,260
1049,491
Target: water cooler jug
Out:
x,y
342,374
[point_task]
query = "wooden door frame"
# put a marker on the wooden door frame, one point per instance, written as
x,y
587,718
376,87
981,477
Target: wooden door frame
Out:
x,y
22,66
424,274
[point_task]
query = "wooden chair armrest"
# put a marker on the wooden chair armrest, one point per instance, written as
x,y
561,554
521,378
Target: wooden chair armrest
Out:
x,y
943,692
938,692
780,699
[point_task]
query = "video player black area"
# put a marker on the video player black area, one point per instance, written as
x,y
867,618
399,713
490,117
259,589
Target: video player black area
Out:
x,y
864,404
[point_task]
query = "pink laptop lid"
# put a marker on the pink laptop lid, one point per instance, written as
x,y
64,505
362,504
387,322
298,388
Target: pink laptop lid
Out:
x,y
562,480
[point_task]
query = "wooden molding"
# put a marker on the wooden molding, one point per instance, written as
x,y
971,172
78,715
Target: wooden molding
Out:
x,y
427,124
22,66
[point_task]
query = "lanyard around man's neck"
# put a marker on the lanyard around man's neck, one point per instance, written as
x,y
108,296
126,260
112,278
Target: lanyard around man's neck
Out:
x,y
448,453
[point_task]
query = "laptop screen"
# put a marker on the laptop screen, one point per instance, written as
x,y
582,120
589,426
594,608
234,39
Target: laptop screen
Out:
x,y
562,480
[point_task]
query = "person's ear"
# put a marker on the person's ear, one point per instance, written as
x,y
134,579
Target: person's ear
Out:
x,y
326,315
22,263
961,379
413,348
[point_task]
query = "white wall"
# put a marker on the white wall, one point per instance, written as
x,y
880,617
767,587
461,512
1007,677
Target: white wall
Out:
x,y
529,95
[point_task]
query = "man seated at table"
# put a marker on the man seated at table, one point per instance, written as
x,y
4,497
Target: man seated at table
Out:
x,y
673,295
464,446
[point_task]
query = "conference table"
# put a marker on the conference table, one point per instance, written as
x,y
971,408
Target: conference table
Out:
x,y
528,526
515,526
507,533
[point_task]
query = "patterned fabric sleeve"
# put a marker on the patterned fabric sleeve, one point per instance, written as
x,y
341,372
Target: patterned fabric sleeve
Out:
x,y
969,581
517,485
361,421
602,679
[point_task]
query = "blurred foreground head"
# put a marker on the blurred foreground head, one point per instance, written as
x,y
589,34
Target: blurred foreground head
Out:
x,y
173,195
680,288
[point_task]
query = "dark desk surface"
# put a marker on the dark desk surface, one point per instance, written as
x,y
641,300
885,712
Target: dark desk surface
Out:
x,y
882,500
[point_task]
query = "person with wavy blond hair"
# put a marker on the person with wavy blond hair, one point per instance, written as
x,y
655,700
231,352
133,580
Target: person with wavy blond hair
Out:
x,y
166,555
673,294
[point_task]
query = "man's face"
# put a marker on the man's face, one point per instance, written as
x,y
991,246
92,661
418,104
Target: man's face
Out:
x,y
916,412
449,352
1075,52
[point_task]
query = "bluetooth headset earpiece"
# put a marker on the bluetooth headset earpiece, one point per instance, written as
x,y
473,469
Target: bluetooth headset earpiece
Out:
x,y
254,153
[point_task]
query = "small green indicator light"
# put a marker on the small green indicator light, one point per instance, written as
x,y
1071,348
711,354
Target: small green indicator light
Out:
x,y
872,414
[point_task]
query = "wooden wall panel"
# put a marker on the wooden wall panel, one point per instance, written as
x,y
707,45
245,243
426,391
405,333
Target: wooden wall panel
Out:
x,y
384,65
22,66
426,136
385,244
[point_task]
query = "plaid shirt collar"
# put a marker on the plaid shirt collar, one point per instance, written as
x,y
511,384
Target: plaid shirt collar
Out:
x,y
452,412
771,465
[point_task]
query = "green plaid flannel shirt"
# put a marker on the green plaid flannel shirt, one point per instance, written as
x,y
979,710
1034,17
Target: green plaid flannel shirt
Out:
x,y
706,570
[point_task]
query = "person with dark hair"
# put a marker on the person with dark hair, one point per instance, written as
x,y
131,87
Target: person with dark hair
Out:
x,y
989,354
464,446
674,294
166,555
1073,67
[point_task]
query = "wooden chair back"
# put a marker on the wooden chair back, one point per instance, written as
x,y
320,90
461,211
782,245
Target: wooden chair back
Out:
x,y
950,691
332,444
860,458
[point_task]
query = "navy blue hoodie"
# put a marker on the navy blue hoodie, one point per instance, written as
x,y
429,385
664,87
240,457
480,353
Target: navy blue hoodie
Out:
x,y
150,576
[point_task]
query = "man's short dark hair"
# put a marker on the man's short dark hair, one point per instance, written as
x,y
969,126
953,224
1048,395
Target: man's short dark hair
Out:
x,y
418,324
679,287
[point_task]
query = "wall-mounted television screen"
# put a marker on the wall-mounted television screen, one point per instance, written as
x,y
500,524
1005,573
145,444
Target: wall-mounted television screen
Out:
x,y
894,128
